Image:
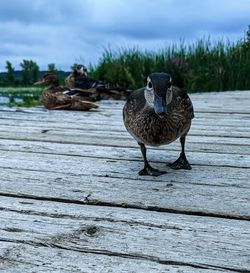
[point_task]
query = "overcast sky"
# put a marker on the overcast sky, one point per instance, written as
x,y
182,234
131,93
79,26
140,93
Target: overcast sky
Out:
x,y
68,31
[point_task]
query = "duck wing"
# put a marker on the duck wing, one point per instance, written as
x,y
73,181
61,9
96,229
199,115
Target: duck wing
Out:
x,y
135,101
86,83
181,102
79,92
55,100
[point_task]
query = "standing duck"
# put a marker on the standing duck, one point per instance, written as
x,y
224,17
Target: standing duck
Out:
x,y
158,114
57,97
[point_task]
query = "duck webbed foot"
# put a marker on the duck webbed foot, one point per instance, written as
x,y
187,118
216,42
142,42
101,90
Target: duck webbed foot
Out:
x,y
148,170
180,163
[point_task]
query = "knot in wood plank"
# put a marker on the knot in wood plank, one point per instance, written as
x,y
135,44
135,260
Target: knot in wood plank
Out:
x,y
91,231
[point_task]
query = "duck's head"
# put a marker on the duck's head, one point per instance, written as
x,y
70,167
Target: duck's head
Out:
x,y
158,93
80,69
48,78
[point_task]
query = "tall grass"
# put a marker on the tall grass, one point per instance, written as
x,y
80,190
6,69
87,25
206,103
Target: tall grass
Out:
x,y
201,66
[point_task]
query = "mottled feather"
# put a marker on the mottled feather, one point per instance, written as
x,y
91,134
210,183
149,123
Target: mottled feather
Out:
x,y
148,128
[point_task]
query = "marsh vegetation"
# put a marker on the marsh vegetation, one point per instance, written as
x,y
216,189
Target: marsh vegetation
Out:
x,y
199,67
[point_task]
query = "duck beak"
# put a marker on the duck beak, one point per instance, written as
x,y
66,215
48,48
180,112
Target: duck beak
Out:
x,y
159,105
39,82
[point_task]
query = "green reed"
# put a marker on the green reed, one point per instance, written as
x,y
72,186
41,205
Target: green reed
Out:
x,y
201,66
198,67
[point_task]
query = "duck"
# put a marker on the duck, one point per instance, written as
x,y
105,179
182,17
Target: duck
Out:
x,y
79,79
56,97
158,114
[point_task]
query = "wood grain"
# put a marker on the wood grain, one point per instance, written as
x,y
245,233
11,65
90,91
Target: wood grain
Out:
x,y
71,199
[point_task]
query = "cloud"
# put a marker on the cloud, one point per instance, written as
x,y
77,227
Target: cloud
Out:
x,y
63,31
148,20
38,12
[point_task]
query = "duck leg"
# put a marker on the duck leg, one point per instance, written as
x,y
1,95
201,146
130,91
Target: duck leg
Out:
x,y
181,162
148,170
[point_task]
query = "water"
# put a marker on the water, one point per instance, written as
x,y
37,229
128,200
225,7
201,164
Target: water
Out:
x,y
18,100
6,100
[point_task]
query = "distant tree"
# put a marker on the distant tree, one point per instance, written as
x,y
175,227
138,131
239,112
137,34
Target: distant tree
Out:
x,y
9,78
30,72
52,68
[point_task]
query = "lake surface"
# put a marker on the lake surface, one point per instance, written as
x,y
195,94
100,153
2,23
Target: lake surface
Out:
x,y
6,100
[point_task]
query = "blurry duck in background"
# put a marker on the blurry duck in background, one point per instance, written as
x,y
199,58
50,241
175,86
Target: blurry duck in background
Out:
x,y
158,114
79,79
56,97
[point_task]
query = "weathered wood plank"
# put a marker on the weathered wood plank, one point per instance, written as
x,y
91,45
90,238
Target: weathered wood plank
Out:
x,y
230,105
197,130
106,114
82,118
21,257
41,124
64,148
127,153
113,181
92,137
161,238
202,175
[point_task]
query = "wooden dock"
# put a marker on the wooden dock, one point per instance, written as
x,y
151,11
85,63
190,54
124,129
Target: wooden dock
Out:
x,y
71,199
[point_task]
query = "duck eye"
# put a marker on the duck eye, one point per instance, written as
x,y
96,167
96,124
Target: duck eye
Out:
x,y
150,85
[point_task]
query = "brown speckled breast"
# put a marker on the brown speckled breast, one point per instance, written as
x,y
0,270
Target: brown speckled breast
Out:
x,y
147,127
